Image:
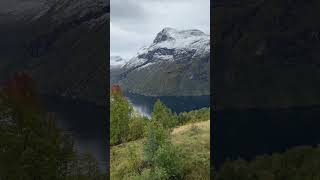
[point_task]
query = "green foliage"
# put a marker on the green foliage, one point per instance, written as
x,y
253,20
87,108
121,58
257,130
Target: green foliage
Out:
x,y
301,163
137,127
168,160
163,115
37,147
134,160
159,173
181,154
120,114
32,147
151,153
161,155
156,136
196,165
194,116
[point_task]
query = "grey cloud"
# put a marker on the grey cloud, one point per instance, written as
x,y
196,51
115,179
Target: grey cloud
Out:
x,y
126,10
136,22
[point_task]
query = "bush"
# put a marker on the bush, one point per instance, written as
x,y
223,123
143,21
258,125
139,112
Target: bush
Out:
x,y
134,160
137,128
197,165
156,136
168,160
194,116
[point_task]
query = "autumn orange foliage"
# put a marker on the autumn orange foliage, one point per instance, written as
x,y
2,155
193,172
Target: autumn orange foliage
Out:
x,y
21,87
116,89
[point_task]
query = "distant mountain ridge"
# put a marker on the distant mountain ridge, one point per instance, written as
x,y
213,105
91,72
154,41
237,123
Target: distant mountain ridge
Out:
x,y
177,63
117,62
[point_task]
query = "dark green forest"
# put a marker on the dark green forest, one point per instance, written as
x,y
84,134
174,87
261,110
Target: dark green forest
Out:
x,y
300,163
31,145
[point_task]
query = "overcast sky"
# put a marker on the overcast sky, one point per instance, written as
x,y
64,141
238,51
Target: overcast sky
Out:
x,y
135,23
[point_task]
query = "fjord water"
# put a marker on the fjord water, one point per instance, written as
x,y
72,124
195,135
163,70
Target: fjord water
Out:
x,y
85,121
249,133
144,104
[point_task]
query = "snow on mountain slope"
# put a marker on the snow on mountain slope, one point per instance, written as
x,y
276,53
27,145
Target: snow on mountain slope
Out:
x,y
171,44
177,63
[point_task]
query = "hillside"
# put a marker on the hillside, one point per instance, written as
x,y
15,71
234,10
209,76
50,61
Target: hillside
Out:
x,y
192,140
266,77
53,42
295,163
176,63
268,53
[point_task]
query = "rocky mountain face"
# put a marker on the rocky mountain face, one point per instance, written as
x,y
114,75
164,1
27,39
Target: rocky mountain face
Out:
x,y
62,44
177,63
267,53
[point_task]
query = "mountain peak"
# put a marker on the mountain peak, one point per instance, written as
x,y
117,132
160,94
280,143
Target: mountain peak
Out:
x,y
164,35
172,34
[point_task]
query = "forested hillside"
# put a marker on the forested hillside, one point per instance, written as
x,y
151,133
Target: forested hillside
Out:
x,y
167,146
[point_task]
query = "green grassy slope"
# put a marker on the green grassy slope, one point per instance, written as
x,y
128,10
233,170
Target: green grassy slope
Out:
x,y
192,140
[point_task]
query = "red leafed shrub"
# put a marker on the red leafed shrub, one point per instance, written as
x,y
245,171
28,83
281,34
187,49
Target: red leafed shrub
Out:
x,y
116,89
20,87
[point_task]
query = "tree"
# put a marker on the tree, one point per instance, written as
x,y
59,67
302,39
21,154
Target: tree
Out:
x,y
156,136
136,127
31,146
163,115
120,112
168,159
160,154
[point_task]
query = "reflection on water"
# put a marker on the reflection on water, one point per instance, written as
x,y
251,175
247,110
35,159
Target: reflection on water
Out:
x,y
248,133
142,110
144,104
86,122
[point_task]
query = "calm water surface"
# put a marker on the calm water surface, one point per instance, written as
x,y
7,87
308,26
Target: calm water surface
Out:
x,y
86,122
144,104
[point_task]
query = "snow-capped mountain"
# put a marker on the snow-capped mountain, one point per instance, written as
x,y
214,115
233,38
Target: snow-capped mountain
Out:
x,y
176,63
170,45
117,62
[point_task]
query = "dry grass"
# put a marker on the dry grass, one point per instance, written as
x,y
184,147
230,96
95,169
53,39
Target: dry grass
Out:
x,y
205,125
